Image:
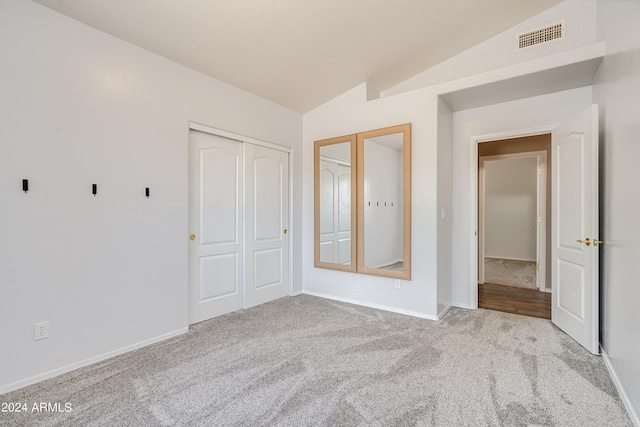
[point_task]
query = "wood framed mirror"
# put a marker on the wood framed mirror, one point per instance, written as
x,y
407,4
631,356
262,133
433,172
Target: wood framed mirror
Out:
x,y
384,202
335,203
362,202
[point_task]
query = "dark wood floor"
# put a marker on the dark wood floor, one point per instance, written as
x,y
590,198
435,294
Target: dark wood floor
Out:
x,y
529,302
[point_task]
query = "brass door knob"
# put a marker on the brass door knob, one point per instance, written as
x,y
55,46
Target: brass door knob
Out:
x,y
285,231
586,241
192,237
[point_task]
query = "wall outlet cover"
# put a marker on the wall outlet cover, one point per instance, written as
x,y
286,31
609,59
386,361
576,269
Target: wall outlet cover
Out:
x,y
41,331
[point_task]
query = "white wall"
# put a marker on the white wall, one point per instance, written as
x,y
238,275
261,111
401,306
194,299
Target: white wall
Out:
x,y
444,206
617,91
500,51
79,107
352,113
510,207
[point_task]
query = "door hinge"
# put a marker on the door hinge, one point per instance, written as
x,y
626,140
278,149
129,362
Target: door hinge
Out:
x,y
538,267
539,171
539,219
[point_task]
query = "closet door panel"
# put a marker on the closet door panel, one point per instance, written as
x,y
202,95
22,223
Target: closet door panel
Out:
x,y
215,223
266,224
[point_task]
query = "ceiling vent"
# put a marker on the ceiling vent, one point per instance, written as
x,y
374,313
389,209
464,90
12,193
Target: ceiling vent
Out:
x,y
541,36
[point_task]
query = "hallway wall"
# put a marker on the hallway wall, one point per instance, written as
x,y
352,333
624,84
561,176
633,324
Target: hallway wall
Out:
x,y
510,208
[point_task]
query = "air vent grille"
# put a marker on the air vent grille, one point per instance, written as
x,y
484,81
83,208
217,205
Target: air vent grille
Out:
x,y
541,36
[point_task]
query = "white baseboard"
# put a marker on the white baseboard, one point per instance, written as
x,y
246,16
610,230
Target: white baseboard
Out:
x,y
296,293
465,306
623,395
370,305
444,311
73,366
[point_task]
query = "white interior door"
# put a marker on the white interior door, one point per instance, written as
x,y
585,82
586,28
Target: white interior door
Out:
x,y
266,224
575,285
215,224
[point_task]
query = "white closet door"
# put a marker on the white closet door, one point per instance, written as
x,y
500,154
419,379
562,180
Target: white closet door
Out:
x,y
266,224
215,223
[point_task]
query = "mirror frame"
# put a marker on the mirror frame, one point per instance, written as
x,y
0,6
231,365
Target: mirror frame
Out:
x,y
316,202
357,200
405,130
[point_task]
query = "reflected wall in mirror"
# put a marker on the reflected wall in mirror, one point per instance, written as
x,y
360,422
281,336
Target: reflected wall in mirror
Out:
x,y
384,202
335,202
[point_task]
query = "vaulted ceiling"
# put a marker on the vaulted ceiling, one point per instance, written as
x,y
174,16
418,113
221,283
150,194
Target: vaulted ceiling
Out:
x,y
302,53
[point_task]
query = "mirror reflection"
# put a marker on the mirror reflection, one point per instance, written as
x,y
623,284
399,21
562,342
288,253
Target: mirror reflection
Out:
x,y
335,203
383,202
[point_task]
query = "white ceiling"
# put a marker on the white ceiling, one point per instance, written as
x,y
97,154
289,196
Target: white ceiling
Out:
x,y
302,53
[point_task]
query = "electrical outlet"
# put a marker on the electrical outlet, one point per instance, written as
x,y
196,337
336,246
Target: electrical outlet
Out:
x,y
397,284
41,331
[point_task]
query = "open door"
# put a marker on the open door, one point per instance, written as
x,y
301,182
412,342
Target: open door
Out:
x,y
575,244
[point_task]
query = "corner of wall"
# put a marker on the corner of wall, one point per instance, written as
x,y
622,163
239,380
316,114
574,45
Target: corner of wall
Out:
x,y
444,207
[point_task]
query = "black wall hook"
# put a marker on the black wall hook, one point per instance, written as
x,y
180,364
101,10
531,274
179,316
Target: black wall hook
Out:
x,y
94,189
146,192
25,185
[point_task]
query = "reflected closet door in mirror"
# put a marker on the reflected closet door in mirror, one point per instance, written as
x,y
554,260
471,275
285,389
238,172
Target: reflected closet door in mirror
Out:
x,y
334,203
384,202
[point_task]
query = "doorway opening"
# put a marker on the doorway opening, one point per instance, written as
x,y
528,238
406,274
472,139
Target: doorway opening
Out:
x,y
513,231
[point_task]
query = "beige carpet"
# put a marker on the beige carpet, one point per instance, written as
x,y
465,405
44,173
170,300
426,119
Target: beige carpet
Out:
x,y
510,272
308,361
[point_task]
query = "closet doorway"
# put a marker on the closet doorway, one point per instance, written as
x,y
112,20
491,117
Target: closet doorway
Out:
x,y
238,222
513,235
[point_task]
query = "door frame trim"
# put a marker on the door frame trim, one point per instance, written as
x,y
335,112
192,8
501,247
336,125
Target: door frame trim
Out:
x,y
242,138
247,139
473,183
